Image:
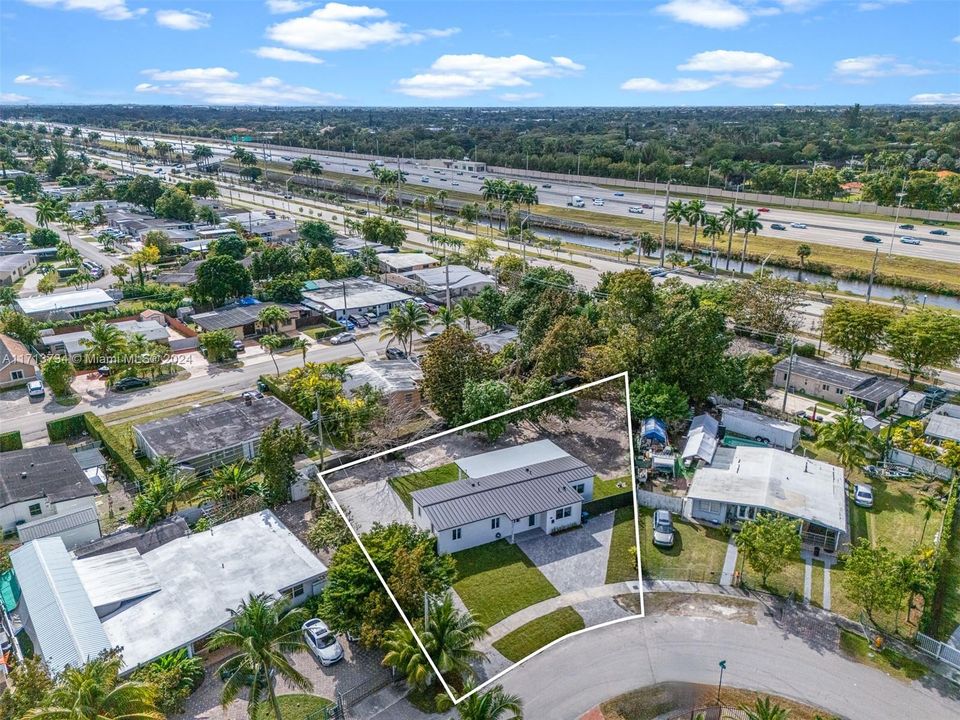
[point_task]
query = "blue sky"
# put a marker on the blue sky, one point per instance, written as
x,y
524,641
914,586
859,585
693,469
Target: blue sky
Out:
x,y
545,52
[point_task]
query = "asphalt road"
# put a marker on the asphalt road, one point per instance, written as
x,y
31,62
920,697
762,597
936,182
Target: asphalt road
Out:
x,y
823,228
582,671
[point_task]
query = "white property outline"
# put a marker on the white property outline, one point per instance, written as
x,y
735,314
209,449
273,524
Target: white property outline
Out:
x,y
466,426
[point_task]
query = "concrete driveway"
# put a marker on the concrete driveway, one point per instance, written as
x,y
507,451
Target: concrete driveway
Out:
x,y
575,559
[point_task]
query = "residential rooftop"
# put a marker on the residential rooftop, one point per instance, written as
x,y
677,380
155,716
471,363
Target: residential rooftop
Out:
x,y
49,471
401,262
90,299
73,344
461,276
388,376
510,458
232,316
349,293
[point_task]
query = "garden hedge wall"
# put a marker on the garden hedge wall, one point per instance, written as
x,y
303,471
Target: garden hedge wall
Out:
x,y
76,425
10,441
611,502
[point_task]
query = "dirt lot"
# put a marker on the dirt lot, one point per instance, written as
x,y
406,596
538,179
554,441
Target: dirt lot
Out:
x,y
716,607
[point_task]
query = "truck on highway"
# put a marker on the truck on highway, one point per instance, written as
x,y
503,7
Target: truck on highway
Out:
x,y
576,201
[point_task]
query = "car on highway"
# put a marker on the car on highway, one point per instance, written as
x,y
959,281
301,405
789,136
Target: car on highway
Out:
x,y
130,383
763,209
342,338
35,389
288,196
158,171
778,226
286,157
909,240
424,179
798,226
939,231
646,206
618,194
598,202
635,209
906,226
656,271
322,643
455,184
545,186
393,353
863,495
663,532
871,238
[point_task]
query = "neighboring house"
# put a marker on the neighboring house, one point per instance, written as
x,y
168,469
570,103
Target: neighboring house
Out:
x,y
13,244
405,262
43,484
743,481
17,364
763,428
497,340
275,230
184,275
350,296
212,435
243,320
398,380
352,246
531,487
67,304
944,423
433,281
835,383
14,267
72,343
171,597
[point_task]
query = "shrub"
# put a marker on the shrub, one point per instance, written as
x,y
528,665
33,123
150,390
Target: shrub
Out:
x,y
10,441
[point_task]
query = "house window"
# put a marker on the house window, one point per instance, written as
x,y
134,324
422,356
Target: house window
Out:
x,y
710,506
419,513
579,488
839,391
826,387
35,509
531,521
16,375
495,523
746,512
563,513
297,590
457,533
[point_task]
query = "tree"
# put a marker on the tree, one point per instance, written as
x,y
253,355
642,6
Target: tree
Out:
x,y
930,505
653,398
95,692
158,239
57,372
31,685
803,252
272,317
731,220
316,233
275,460
452,360
402,323
272,343
483,399
232,246
848,437
175,676
264,632
492,704
855,328
769,306
204,189
174,203
446,317
872,578
48,283
301,344
749,223
23,328
768,543
201,154
218,345
143,191
26,187
105,344
44,238
120,271
385,232
675,212
695,213
219,278
47,212
144,257
923,340
230,483
764,709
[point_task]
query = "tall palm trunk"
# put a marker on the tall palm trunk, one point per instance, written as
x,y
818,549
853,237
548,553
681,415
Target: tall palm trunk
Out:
x,y
743,255
676,242
696,229
729,247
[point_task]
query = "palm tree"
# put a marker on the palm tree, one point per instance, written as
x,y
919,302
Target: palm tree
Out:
x,y
713,229
676,212
48,211
803,252
847,437
272,317
731,220
468,309
446,316
695,214
403,322
493,704
106,341
417,208
94,692
201,154
749,223
930,505
229,483
430,203
272,343
765,709
301,344
264,632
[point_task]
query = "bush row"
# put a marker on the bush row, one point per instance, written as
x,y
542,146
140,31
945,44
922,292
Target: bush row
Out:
x,y
10,441
933,611
76,425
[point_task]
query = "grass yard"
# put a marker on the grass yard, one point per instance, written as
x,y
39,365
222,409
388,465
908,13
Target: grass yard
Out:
x,y
887,660
497,579
295,707
785,583
517,645
622,560
611,486
405,485
697,553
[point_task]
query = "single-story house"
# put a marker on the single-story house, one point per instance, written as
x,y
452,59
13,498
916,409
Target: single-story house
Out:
x,y
944,423
275,229
350,296
835,383
776,432
352,246
497,340
14,267
536,486
47,483
13,244
405,261
398,380
433,281
744,481
17,364
72,343
171,597
242,320
184,275
208,436
215,233
68,304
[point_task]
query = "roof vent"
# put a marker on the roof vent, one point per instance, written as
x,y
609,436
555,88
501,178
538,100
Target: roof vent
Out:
x,y
23,473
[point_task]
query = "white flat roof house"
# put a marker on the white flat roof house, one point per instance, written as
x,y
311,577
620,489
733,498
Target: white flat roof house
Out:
x,y
405,262
433,280
72,343
742,481
162,600
531,487
72,304
339,298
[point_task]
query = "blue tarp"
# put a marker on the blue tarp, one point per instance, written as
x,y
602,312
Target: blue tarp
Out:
x,y
654,429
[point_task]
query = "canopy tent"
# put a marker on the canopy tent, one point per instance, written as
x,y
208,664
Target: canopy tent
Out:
x,y
654,429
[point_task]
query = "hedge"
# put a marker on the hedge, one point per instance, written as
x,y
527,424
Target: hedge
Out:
x,y
76,425
611,502
67,427
277,390
10,441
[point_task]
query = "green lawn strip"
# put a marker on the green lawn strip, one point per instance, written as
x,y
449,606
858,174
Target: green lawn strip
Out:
x,y
606,488
887,660
816,587
621,562
295,707
518,644
176,403
405,485
788,581
497,579
697,554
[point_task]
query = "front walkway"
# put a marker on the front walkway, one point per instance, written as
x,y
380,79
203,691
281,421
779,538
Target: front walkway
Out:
x,y
729,563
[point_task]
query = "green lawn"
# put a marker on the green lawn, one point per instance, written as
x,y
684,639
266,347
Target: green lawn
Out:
x,y
496,580
295,707
697,553
405,485
517,645
606,488
887,660
622,560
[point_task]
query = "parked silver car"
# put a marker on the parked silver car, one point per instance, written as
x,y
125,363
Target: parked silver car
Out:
x,y
863,495
321,642
663,533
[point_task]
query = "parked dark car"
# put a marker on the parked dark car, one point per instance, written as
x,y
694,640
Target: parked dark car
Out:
x,y
130,383
359,321
239,346
393,353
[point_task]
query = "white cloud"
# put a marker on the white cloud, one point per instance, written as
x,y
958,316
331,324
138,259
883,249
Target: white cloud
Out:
x,y
38,80
218,86
869,67
107,9
870,5
453,76
520,97
13,98
336,26
957,39
183,19
286,55
717,14
284,7
738,68
936,99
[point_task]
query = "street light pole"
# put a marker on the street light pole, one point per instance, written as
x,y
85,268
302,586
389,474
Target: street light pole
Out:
x,y
896,217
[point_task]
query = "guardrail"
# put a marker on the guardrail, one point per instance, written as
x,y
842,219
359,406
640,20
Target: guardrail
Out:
x,y
941,651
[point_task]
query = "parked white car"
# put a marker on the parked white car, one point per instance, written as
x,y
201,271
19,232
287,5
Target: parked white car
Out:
x,y
321,642
35,389
863,495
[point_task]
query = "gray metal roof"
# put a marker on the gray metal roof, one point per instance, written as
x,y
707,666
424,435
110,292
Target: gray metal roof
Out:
x,y
943,427
701,438
514,493
842,377
67,628
460,276
57,524
142,540
116,577
231,317
50,471
510,458
879,390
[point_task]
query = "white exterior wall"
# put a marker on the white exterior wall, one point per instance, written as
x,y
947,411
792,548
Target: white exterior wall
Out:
x,y
473,534
553,524
699,511
11,514
747,427
587,494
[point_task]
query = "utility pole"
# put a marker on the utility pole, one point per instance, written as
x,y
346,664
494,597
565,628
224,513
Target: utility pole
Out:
x,y
896,217
786,385
320,428
723,666
663,234
873,272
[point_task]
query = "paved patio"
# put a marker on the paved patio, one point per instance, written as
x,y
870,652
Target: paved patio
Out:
x,y
574,559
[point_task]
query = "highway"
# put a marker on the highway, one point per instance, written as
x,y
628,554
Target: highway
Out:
x,y
823,228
